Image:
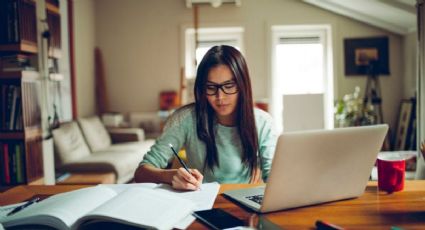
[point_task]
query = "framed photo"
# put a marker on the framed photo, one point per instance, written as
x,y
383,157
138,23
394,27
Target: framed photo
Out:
x,y
361,53
404,121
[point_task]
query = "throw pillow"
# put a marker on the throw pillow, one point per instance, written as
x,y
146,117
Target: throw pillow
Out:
x,y
94,131
69,143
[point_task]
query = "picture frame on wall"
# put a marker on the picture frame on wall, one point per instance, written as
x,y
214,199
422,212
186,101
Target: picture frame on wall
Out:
x,y
361,53
404,123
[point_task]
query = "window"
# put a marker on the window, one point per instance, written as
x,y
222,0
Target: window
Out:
x,y
207,38
301,74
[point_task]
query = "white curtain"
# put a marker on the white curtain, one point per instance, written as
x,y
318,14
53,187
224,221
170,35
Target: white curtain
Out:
x,y
420,172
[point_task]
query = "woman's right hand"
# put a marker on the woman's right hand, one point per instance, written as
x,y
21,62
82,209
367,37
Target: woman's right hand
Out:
x,y
183,180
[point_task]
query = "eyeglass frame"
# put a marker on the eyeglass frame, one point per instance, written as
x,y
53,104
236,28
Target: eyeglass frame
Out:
x,y
220,86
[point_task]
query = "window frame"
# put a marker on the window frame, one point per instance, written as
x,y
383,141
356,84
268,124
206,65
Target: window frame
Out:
x,y
208,34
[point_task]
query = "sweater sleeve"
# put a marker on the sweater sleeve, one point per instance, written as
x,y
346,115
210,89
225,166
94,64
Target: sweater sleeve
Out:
x,y
267,144
175,133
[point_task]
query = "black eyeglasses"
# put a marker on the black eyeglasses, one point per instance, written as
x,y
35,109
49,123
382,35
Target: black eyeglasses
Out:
x,y
227,88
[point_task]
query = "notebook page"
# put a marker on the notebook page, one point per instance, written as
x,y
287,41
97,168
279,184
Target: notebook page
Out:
x,y
143,207
203,198
61,210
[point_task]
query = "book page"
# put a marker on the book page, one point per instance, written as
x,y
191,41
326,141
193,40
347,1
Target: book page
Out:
x,y
142,207
118,188
61,210
4,210
203,198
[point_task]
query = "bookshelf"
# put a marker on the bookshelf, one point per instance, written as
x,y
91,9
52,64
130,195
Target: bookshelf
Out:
x,y
18,26
21,135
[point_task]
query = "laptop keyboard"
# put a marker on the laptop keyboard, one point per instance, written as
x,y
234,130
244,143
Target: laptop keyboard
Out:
x,y
256,198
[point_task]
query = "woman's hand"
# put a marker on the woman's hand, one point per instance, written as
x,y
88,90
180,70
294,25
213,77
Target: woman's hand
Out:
x,y
184,180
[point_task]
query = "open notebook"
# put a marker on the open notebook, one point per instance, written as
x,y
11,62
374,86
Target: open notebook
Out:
x,y
139,205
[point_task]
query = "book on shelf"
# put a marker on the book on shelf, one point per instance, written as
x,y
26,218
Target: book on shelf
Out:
x,y
15,60
12,161
11,107
5,172
17,69
8,105
15,97
145,205
18,21
18,62
20,163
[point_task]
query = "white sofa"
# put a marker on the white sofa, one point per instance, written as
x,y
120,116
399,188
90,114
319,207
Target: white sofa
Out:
x,y
150,122
87,146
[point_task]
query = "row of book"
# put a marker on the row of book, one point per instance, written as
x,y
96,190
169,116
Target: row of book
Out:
x,y
12,163
25,62
11,108
18,62
18,21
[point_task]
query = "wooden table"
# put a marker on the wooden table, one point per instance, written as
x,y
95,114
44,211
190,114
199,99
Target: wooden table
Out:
x,y
374,209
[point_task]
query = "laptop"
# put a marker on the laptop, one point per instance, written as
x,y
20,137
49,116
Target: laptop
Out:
x,y
318,166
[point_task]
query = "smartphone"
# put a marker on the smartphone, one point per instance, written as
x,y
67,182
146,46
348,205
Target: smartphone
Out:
x,y
217,218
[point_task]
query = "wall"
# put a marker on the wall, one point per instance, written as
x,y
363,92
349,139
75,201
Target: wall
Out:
x,y
64,66
410,56
84,38
420,171
141,45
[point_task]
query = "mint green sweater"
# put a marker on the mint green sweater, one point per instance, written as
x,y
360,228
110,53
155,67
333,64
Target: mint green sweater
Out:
x,y
180,131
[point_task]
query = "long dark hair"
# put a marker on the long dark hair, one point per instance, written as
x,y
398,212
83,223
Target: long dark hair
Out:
x,y
205,115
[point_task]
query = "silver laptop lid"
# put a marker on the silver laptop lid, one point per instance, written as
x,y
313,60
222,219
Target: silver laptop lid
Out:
x,y
312,167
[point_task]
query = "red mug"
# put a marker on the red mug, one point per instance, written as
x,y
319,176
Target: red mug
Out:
x,y
391,170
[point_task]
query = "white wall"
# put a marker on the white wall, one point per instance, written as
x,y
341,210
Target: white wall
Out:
x,y
140,41
420,171
64,66
84,38
409,64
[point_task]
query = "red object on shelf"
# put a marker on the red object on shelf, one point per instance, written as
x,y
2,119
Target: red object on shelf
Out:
x,y
168,100
262,105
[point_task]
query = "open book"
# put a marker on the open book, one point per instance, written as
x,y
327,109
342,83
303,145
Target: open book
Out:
x,y
139,205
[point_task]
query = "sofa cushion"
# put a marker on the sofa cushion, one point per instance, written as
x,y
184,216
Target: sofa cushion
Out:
x,y
94,131
69,143
141,147
122,164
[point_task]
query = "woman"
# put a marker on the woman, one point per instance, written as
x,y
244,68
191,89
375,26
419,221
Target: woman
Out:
x,y
225,138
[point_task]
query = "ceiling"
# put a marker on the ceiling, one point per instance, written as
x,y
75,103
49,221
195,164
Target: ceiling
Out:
x,y
398,16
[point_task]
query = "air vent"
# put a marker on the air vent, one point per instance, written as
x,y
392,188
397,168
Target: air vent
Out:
x,y
213,3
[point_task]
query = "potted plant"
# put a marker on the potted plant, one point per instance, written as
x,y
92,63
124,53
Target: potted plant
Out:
x,y
351,111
